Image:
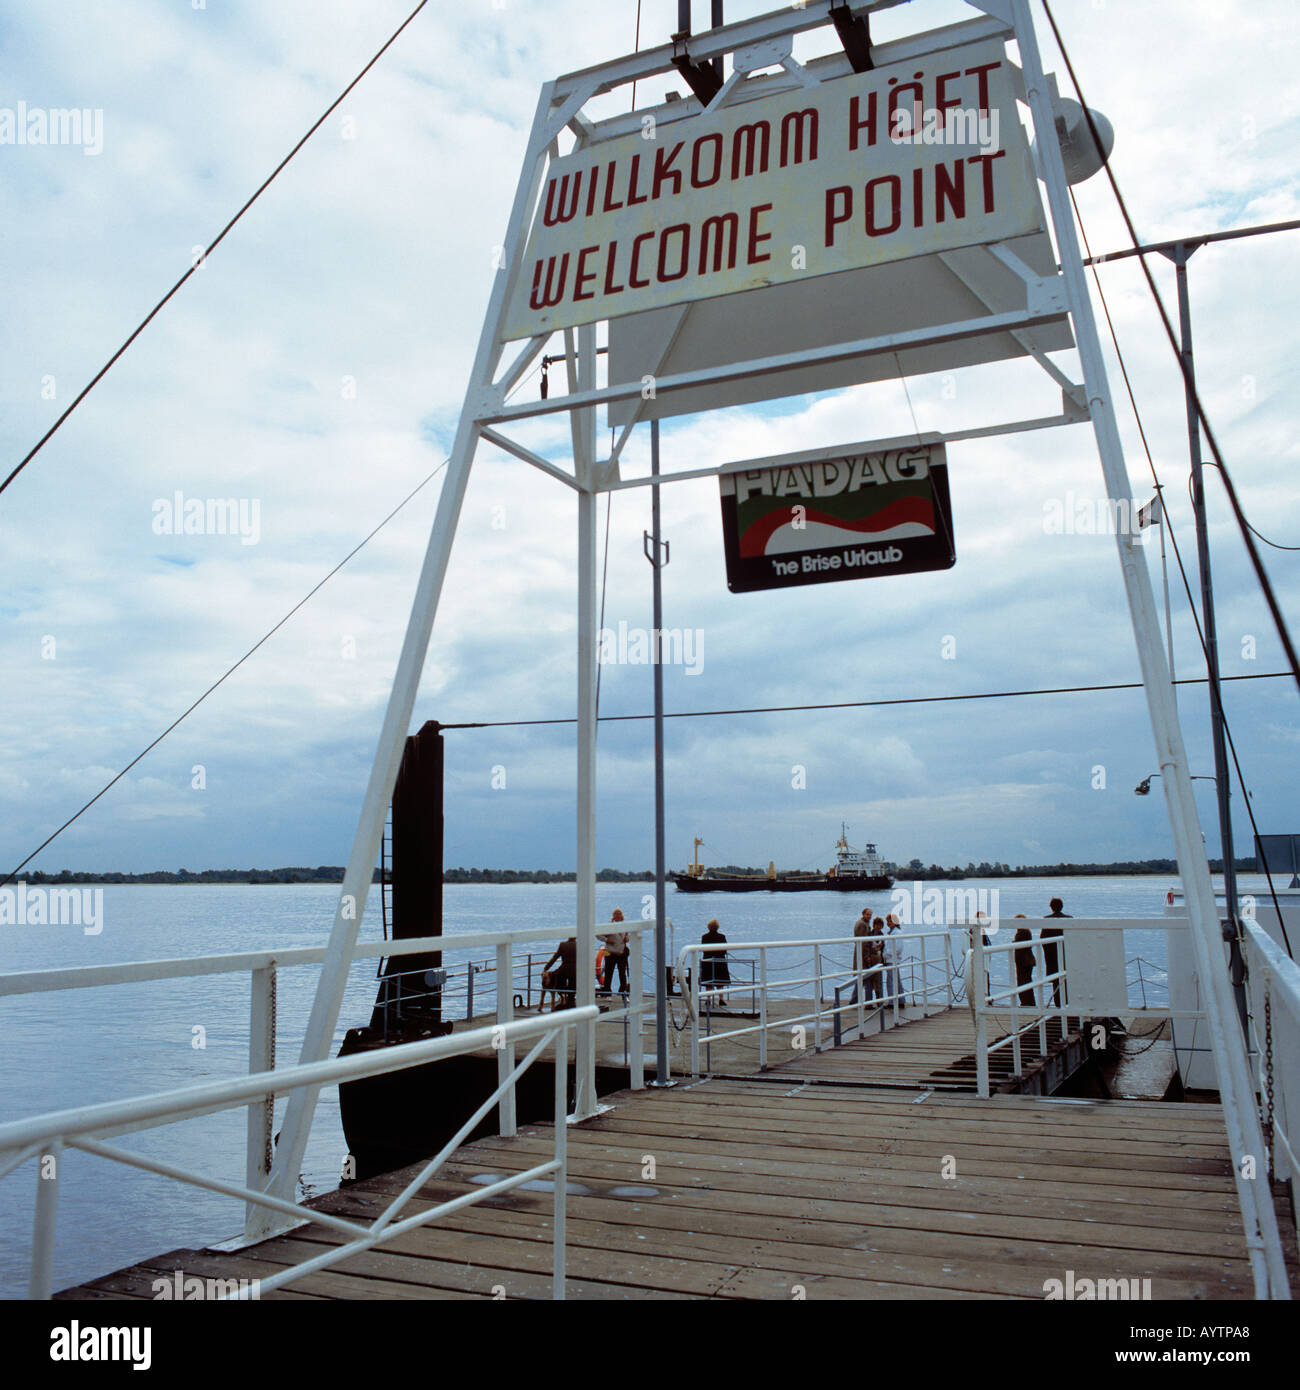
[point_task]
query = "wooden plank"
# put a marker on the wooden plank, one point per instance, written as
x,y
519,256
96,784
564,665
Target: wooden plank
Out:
x,y
923,1190
842,1118
727,1213
626,1160
992,1264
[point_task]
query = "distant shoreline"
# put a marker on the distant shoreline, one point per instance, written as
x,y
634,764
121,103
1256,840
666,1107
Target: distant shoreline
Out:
x,y
332,873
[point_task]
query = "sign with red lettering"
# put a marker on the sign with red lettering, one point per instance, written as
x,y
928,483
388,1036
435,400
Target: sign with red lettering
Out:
x,y
815,519
902,161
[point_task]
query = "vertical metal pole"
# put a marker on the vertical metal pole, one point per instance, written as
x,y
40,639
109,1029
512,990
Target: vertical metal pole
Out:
x,y
979,1001
41,1280
1223,789
559,1207
635,1021
1164,571
817,1010
717,22
1245,1136
662,1063
695,1016
582,376
505,1053
260,1126
762,1009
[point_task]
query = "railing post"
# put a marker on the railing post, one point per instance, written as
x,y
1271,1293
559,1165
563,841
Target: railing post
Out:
x,y
762,1008
260,1125
979,999
469,990
635,991
895,977
925,978
506,1052
41,1280
695,1015
817,1009
559,1208
982,1052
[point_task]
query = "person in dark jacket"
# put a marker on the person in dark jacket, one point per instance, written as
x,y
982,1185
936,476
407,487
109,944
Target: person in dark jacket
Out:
x,y
1051,958
562,982
1024,957
714,971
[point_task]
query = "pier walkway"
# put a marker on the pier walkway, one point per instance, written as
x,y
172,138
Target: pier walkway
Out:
x,y
812,1180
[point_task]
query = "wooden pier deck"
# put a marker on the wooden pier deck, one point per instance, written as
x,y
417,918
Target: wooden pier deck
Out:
x,y
936,1052
763,1189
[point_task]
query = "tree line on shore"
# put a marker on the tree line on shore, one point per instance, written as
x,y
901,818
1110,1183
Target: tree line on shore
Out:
x,y
333,873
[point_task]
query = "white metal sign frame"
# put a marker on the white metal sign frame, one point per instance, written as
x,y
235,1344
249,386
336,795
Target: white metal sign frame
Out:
x,y
752,43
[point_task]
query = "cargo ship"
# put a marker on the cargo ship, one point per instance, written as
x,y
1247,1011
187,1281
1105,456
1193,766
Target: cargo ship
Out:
x,y
853,872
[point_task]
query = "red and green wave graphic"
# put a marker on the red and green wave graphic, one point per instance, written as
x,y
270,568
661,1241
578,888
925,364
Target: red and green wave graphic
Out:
x,y
914,509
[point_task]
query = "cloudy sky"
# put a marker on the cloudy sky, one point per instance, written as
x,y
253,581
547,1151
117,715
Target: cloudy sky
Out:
x,y
315,367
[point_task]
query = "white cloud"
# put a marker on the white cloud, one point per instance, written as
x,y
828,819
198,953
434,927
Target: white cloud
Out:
x,y
316,364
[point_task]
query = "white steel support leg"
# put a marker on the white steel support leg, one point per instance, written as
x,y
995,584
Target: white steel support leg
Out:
x,y
319,1038
588,605
584,444
506,1052
1245,1135
40,1284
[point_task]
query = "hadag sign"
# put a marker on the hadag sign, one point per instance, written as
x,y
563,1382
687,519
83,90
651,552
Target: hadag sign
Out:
x,y
837,517
902,161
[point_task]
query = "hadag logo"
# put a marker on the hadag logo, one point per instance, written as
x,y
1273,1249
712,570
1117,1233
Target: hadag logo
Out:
x,y
929,906
24,906
1072,1289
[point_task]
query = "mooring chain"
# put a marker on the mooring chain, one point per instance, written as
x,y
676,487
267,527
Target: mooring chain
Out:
x,y
269,1128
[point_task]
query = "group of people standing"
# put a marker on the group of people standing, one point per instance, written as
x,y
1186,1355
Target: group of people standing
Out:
x,y
1024,956
878,948
562,983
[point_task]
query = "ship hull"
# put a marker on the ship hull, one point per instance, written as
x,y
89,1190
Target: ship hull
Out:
x,y
813,883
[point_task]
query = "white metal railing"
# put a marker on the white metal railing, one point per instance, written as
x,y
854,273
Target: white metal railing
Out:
x,y
44,1137
770,982
1273,995
1104,993
262,967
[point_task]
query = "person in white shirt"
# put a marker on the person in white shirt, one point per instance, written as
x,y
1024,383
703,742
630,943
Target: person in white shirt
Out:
x,y
893,960
616,953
